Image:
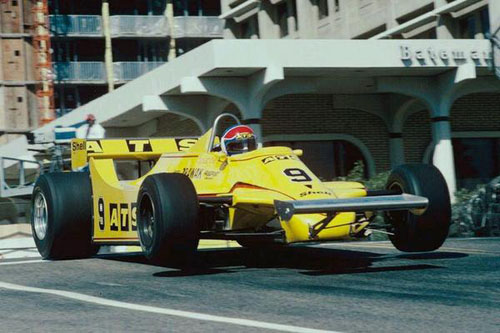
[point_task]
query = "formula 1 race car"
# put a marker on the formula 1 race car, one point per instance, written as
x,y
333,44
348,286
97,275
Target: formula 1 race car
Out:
x,y
195,191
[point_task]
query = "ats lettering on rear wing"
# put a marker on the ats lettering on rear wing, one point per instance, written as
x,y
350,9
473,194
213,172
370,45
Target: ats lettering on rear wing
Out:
x,y
125,149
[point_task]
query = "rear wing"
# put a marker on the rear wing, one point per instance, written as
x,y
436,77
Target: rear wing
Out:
x,y
125,149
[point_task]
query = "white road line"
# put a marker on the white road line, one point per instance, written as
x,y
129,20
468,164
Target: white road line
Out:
x,y
22,262
164,311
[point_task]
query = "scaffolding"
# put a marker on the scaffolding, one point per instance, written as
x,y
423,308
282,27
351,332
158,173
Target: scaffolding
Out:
x,y
43,62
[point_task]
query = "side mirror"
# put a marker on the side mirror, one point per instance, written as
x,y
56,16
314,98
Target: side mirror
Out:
x,y
298,152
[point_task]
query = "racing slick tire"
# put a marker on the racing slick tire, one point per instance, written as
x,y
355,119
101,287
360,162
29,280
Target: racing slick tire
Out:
x,y
61,216
167,219
428,231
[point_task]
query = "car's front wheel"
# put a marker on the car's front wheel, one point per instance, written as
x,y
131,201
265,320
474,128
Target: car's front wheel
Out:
x,y
425,232
167,219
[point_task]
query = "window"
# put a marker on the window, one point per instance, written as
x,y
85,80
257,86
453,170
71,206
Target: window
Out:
x,y
282,12
19,99
485,22
246,30
14,3
477,160
468,27
337,6
322,9
249,28
327,159
17,53
477,23
293,13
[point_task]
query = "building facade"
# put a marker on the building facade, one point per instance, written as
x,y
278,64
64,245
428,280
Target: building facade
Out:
x,y
89,59
338,134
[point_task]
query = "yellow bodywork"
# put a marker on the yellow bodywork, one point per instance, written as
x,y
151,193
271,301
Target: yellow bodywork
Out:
x,y
253,180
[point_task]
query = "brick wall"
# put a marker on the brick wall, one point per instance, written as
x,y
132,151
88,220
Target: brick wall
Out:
x,y
417,135
316,114
476,112
174,125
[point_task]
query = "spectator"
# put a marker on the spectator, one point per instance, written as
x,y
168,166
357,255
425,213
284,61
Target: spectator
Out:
x,y
91,129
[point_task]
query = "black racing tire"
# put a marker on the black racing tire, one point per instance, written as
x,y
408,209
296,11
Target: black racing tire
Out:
x,y
428,231
167,219
61,216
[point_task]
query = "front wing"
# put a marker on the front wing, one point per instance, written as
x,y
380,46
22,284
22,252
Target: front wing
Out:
x,y
286,209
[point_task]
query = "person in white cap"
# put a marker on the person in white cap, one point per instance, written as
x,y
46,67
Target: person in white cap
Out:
x,y
91,129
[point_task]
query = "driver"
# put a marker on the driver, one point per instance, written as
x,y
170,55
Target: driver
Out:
x,y
238,139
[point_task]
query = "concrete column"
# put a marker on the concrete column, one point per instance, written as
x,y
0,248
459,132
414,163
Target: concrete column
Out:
x,y
396,149
446,27
108,51
443,152
305,18
169,14
291,20
254,28
267,28
494,12
390,15
231,30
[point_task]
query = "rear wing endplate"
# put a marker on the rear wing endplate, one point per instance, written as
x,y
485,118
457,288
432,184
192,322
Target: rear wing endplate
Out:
x,y
286,209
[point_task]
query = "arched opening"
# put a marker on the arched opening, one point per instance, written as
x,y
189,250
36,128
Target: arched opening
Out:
x,y
331,133
476,138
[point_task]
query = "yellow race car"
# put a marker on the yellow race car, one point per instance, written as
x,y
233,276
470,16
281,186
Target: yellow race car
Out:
x,y
194,190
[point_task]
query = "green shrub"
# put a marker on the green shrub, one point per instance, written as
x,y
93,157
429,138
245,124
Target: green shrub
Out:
x,y
357,174
462,223
376,182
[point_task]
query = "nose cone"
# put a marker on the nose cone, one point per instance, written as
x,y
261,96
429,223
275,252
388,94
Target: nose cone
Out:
x,y
299,227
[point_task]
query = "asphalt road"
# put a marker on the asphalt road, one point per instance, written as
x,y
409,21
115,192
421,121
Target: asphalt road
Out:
x,y
346,287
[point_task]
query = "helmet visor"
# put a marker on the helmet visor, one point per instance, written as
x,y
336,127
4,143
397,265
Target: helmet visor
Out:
x,y
241,146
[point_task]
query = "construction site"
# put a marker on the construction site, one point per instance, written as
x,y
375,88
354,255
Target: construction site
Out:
x,y
58,55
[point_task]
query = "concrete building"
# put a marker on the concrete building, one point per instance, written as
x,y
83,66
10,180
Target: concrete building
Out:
x,y
423,135
88,59
420,89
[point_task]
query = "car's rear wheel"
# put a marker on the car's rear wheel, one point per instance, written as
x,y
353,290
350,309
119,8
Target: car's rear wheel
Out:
x,y
428,231
61,216
167,219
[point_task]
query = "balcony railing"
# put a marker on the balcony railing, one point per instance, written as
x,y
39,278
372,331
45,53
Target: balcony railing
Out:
x,y
75,25
94,72
198,27
85,71
126,71
137,25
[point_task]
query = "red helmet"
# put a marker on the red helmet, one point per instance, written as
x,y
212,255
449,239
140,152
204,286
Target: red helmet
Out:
x,y
238,139
90,117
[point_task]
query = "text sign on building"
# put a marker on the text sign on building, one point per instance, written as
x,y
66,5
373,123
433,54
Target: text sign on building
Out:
x,y
432,56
